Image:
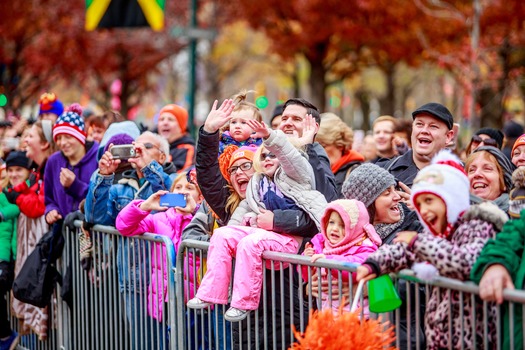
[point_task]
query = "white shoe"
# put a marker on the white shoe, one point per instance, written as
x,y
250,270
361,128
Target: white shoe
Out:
x,y
197,304
235,315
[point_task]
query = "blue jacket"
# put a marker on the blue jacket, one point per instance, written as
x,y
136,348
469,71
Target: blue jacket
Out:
x,y
106,199
66,200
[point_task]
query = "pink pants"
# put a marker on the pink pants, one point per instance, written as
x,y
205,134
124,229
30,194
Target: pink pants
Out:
x,y
246,244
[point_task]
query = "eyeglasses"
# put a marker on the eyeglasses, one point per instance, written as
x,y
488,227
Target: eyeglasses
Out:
x,y
149,145
268,155
244,167
476,140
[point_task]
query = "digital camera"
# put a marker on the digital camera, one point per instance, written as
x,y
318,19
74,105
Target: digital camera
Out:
x,y
123,152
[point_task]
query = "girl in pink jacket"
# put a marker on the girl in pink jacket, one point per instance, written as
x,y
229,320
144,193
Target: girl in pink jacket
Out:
x,y
136,219
346,235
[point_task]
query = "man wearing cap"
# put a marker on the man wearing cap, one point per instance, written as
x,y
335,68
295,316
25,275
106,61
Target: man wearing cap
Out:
x,y
431,132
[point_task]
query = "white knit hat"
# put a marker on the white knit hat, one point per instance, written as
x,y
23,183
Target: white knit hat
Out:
x,y
445,178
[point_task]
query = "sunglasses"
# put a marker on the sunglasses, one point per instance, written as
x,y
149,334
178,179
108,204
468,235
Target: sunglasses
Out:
x,y
476,140
267,155
244,167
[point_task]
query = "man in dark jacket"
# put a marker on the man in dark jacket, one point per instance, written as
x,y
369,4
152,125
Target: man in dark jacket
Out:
x,y
172,125
431,132
293,123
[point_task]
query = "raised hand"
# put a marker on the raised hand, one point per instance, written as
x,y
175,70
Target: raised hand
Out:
x,y
153,202
218,117
260,129
143,157
190,205
405,195
310,128
107,165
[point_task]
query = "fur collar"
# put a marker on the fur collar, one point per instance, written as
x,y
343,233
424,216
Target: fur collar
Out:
x,y
487,211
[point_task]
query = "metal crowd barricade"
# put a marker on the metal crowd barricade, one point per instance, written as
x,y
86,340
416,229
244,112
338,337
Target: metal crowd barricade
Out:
x,y
287,295
98,310
101,312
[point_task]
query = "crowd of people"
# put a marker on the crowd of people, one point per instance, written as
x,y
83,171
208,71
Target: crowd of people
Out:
x,y
405,198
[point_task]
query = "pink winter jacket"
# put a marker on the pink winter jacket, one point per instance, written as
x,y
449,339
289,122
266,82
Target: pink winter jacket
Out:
x,y
132,221
355,254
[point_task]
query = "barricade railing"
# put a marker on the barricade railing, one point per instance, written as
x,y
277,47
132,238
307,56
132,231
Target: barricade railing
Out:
x,y
289,291
110,305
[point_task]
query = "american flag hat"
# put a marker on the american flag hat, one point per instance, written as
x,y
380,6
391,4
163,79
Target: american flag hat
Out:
x,y
70,123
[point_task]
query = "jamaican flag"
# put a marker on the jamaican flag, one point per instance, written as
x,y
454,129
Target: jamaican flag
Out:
x,y
124,13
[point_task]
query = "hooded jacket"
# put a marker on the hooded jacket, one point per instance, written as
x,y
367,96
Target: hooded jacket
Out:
x,y
360,240
453,258
105,198
66,200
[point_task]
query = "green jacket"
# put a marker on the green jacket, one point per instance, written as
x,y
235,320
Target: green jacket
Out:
x,y
508,250
8,216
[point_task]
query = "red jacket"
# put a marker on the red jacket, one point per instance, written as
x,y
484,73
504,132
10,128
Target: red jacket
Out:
x,y
31,196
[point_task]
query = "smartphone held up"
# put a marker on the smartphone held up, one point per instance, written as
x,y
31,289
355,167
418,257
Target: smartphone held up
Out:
x,y
173,200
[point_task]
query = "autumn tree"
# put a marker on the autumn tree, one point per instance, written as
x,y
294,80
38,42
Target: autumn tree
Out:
x,y
37,51
485,54
339,39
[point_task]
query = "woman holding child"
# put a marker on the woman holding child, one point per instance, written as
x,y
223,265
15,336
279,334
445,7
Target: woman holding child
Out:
x,y
224,193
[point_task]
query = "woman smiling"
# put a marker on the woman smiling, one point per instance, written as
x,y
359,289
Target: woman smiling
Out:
x,y
489,172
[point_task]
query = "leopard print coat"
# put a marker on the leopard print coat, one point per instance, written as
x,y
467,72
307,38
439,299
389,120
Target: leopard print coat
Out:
x,y
453,258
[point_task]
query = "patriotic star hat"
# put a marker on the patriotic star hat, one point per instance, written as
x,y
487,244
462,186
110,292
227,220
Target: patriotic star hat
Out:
x,y
71,123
